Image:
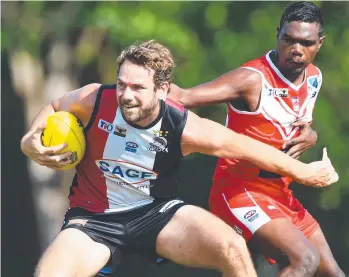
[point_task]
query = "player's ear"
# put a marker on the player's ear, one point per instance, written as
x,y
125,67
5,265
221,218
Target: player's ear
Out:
x,y
321,41
277,32
163,90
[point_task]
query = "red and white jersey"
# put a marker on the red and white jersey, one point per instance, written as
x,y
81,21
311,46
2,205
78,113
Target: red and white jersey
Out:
x,y
281,104
126,166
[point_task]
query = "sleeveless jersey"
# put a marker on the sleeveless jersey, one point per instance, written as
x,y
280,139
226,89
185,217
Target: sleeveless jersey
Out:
x,y
281,104
127,166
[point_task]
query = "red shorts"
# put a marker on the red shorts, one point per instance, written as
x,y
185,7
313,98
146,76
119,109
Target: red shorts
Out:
x,y
247,211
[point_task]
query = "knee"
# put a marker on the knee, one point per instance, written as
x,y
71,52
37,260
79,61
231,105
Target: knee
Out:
x,y
234,251
308,261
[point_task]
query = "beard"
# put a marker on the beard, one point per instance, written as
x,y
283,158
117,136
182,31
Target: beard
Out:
x,y
133,113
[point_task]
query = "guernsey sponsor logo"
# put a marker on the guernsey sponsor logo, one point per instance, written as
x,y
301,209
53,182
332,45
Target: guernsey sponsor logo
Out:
x,y
112,128
125,172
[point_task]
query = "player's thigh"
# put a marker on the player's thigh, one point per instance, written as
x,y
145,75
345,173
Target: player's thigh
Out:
x,y
195,237
265,223
244,212
328,265
72,253
280,238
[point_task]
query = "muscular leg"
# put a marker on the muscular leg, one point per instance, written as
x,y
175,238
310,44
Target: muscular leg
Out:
x,y
72,254
196,238
281,240
328,266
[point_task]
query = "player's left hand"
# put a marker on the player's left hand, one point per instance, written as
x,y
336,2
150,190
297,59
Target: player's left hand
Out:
x,y
307,139
321,173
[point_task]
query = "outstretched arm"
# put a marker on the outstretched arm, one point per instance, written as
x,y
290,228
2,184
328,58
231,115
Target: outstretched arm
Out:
x,y
236,84
207,137
240,84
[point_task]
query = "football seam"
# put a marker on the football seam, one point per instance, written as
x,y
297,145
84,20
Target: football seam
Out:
x,y
73,133
49,144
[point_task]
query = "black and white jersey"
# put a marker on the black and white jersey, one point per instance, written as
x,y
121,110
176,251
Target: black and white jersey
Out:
x,y
127,166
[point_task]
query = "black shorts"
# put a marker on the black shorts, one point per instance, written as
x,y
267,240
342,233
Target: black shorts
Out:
x,y
127,232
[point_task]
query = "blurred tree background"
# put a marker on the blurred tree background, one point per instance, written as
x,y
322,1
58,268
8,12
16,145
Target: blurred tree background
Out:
x,y
49,48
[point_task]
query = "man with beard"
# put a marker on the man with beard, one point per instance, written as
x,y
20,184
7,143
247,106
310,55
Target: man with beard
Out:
x,y
271,99
122,198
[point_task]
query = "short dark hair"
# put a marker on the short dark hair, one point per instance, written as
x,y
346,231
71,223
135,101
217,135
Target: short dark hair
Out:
x,y
304,12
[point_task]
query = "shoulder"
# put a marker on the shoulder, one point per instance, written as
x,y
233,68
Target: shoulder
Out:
x,y
92,88
174,105
313,70
175,114
85,94
254,68
257,63
245,75
79,102
86,97
82,95
314,79
314,75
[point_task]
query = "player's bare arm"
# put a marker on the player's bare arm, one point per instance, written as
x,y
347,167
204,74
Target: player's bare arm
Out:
x,y
79,102
237,85
242,88
207,137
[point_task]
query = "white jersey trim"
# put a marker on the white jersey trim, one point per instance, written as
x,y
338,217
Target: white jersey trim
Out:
x,y
253,223
282,77
120,208
320,77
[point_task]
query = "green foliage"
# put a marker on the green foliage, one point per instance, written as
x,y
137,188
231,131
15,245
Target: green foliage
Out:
x,y
207,39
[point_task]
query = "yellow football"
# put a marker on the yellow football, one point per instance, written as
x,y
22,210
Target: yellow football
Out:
x,y
63,127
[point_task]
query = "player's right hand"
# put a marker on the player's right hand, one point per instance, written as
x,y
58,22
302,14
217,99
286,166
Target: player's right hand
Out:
x,y
322,173
32,146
